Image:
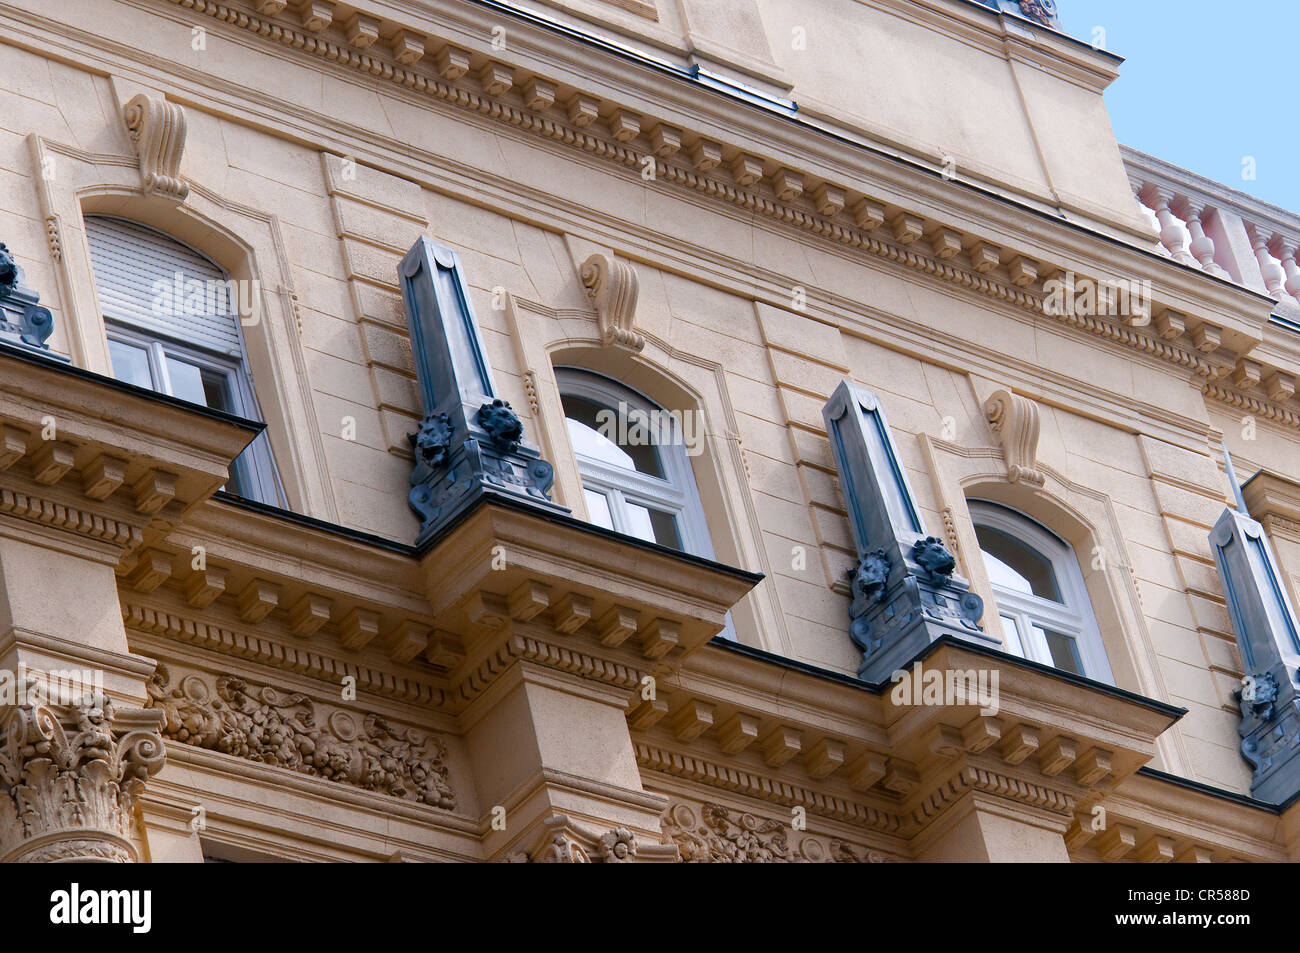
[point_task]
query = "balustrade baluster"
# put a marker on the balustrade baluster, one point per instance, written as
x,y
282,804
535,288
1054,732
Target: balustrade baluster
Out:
x,y
1202,247
1269,270
1172,234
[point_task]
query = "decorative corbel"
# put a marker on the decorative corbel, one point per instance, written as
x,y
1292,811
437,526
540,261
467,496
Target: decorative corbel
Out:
x,y
157,128
612,285
1015,421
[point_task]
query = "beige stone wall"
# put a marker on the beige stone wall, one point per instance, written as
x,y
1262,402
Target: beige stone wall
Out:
x,y
317,180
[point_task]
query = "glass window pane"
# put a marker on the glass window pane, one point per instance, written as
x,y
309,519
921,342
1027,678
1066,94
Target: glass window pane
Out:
x,y
130,363
1064,650
623,437
598,508
1015,566
199,385
1011,636
187,381
216,390
653,525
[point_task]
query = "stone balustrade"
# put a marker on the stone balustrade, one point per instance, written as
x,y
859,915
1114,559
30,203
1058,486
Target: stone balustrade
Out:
x,y
1206,225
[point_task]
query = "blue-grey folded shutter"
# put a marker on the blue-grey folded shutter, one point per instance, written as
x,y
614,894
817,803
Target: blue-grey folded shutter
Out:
x,y
147,281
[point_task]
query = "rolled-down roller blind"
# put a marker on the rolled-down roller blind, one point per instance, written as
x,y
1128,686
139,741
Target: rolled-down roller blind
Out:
x,y
151,282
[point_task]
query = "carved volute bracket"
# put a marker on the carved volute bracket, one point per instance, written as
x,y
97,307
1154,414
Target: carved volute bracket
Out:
x,y
612,286
157,128
70,778
560,840
1015,421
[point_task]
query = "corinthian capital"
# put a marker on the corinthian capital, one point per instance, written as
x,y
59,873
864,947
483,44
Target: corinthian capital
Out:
x,y
69,779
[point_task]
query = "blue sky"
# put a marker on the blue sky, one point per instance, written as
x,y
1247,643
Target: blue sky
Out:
x,y
1205,84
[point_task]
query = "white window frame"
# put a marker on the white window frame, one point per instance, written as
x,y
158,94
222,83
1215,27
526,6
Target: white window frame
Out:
x,y
1072,617
676,494
254,467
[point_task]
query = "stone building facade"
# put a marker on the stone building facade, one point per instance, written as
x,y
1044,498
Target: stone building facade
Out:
x,y
540,431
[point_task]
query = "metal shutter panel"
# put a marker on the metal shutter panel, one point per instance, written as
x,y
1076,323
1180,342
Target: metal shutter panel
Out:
x,y
139,273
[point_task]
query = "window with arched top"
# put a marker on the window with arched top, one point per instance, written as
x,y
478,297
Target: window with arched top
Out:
x,y
633,461
172,320
1043,605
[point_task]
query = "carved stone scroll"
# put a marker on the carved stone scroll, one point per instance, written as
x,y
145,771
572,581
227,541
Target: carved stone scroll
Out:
x,y
1015,421
612,285
157,128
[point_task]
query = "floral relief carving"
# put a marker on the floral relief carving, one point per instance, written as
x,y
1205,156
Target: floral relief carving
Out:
x,y
562,841
714,834
69,780
286,730
618,846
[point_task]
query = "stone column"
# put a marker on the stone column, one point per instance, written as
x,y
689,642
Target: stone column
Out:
x,y
69,780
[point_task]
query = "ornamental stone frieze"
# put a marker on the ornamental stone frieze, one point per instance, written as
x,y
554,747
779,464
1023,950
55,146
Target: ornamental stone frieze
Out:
x,y
287,729
712,833
70,778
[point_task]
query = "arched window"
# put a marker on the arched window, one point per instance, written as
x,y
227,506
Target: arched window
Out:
x,y
633,459
172,319
1043,604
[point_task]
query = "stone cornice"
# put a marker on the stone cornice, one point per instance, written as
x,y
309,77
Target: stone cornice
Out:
x,y
502,586
792,736
113,465
501,562
1272,495
760,786
257,645
1175,821
1183,290
998,223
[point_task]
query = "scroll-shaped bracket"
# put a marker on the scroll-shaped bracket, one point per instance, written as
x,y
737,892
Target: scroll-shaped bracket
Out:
x,y
906,593
24,323
157,128
1015,421
1268,636
612,286
470,442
